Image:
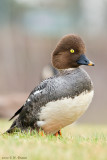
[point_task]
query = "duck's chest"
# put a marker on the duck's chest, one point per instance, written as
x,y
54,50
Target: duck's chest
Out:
x,y
57,114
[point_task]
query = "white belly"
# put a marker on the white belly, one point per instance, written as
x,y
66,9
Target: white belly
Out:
x,y
58,114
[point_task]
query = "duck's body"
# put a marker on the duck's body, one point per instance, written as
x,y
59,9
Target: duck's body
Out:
x,y
56,102
71,94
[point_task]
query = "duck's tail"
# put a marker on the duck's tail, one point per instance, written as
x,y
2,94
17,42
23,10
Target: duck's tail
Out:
x,y
12,127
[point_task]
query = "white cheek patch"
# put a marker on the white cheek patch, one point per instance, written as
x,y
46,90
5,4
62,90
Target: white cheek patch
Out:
x,y
58,114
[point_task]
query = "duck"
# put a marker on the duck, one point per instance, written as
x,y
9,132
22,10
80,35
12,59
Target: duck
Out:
x,y
62,99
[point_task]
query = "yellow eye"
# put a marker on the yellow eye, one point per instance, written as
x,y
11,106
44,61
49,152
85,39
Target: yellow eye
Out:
x,y
72,50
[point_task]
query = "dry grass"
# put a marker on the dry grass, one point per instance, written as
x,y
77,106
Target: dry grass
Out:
x,y
79,142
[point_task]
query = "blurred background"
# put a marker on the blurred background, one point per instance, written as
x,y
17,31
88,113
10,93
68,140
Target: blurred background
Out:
x,y
29,31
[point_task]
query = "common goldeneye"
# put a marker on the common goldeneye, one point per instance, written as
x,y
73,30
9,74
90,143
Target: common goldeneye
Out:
x,y
60,100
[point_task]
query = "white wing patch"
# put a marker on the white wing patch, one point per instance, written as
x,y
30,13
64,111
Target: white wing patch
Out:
x,y
36,92
28,100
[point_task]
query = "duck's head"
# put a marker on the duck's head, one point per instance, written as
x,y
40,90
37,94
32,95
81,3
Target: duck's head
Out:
x,y
70,53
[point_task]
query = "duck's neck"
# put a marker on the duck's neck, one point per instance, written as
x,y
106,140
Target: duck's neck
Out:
x,y
62,71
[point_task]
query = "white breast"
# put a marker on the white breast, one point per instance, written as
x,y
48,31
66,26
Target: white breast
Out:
x,y
58,114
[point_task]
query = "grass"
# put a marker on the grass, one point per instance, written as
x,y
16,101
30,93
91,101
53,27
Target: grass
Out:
x,y
79,142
